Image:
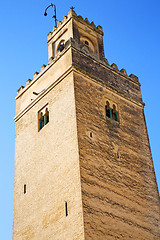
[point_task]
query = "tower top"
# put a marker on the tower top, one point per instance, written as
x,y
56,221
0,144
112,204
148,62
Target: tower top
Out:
x,y
75,32
72,15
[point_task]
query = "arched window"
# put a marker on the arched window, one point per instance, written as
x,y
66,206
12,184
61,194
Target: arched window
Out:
x,y
114,112
87,44
61,46
108,110
46,116
43,118
111,111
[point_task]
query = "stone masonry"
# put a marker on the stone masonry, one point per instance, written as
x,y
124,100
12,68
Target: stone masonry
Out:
x,y
99,167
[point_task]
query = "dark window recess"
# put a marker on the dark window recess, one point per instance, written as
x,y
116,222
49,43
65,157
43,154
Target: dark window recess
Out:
x,y
61,47
43,118
91,134
111,113
86,43
25,188
66,209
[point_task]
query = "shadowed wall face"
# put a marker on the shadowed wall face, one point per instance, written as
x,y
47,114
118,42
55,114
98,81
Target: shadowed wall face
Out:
x,y
119,191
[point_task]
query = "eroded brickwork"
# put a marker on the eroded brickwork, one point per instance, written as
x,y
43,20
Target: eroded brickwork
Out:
x,y
120,196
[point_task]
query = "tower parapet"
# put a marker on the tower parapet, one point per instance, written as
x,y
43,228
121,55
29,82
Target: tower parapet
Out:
x,y
83,163
77,32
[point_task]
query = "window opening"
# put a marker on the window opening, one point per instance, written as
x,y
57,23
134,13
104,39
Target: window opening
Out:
x,y
114,112
107,109
46,116
86,43
111,112
118,157
24,188
117,118
43,118
66,209
61,47
91,134
41,121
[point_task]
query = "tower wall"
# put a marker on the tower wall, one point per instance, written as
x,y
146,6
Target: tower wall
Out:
x,y
119,193
47,161
88,172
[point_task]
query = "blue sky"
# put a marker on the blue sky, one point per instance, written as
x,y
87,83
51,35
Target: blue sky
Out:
x,y
131,40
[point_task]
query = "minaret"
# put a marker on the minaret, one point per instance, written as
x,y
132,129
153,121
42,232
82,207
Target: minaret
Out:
x,y
83,165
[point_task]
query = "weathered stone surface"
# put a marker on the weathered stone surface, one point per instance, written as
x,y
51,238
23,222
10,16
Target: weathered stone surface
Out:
x,y
106,76
120,197
123,71
50,169
103,168
114,66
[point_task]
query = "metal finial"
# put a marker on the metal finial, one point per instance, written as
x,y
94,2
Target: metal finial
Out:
x,y
54,16
72,8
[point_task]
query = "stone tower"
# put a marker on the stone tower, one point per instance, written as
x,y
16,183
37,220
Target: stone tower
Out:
x,y
83,165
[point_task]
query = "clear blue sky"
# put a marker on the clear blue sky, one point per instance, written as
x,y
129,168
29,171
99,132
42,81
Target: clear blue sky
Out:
x,y
132,41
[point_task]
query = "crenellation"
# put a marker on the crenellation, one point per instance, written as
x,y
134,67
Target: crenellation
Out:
x,y
20,89
54,28
50,60
134,77
114,66
43,67
106,61
123,71
93,25
59,24
86,20
72,42
64,19
35,75
80,18
28,82
73,15
100,28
